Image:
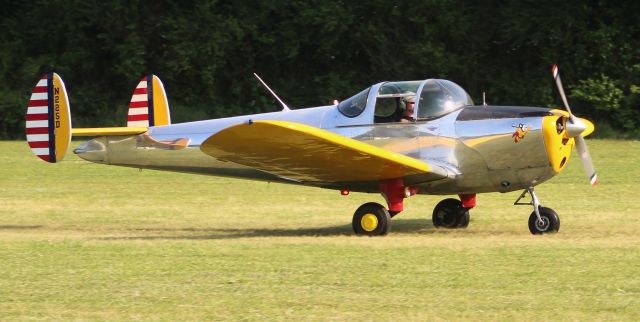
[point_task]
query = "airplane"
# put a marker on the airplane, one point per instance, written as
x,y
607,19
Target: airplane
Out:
x,y
371,142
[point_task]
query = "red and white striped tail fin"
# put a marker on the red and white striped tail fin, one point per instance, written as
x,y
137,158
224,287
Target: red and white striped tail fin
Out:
x,y
149,105
48,126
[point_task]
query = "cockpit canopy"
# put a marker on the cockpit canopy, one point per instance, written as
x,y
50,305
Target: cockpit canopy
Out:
x,y
433,98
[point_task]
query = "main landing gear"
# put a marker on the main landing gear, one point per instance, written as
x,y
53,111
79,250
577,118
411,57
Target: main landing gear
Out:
x,y
373,219
542,220
453,213
450,213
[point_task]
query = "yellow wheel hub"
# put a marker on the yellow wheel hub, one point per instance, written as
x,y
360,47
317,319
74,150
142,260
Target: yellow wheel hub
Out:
x,y
369,222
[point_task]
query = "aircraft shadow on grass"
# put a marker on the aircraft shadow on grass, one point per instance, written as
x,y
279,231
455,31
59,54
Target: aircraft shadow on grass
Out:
x,y
19,227
410,226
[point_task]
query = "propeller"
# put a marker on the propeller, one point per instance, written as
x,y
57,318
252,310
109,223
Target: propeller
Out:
x,y
575,129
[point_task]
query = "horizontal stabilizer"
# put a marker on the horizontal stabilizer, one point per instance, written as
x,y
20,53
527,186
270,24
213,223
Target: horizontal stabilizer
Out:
x,y
306,153
100,131
48,126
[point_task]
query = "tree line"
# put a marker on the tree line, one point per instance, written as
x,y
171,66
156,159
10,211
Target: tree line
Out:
x,y
312,52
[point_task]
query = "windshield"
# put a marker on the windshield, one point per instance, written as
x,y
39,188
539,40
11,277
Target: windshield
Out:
x,y
354,105
439,97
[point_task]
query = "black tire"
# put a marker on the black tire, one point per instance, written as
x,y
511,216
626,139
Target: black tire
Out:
x,y
550,225
449,213
371,219
393,213
463,221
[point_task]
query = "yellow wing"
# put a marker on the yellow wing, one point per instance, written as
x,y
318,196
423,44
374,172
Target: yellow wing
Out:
x,y
307,153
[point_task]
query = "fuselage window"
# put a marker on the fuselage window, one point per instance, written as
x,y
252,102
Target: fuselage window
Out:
x,y
388,110
392,99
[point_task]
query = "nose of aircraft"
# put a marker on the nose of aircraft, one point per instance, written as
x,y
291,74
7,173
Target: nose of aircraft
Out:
x,y
589,127
575,127
579,126
560,135
558,140
93,150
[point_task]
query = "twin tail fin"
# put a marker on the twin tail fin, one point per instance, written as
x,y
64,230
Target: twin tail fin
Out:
x,y
149,105
48,122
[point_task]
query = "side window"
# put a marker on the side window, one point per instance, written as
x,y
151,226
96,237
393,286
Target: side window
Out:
x,y
354,105
388,110
391,101
432,101
440,97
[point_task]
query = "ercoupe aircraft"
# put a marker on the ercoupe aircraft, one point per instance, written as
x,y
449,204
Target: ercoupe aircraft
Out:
x,y
396,138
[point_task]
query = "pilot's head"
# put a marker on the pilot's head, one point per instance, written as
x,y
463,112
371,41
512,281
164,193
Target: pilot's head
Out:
x,y
409,102
409,99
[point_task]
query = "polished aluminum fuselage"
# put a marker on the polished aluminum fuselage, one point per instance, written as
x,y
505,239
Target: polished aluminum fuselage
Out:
x,y
475,148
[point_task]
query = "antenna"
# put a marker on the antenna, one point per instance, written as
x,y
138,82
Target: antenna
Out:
x,y
284,106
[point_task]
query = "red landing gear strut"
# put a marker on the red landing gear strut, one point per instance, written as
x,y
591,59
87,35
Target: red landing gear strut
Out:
x,y
394,191
468,201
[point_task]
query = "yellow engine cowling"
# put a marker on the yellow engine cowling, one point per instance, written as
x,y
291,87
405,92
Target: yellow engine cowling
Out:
x,y
557,142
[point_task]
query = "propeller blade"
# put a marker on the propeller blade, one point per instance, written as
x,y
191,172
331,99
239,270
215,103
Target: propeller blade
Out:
x,y
556,77
583,152
575,130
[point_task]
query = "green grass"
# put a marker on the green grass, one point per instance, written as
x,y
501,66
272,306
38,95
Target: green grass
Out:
x,y
80,241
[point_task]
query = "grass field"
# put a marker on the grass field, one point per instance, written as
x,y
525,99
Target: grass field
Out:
x,y
80,241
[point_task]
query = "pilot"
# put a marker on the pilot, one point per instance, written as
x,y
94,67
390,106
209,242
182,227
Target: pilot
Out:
x,y
409,102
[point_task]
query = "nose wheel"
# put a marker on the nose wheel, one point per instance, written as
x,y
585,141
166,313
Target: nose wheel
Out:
x,y
549,221
371,219
542,220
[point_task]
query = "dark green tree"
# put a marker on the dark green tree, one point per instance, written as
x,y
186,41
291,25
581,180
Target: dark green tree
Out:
x,y
312,52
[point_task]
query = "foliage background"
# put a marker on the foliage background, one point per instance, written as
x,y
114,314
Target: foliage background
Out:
x,y
312,52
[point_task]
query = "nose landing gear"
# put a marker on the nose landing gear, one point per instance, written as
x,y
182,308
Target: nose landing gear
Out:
x,y
542,220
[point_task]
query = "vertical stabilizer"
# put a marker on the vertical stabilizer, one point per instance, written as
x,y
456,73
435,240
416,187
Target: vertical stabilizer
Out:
x,y
48,126
149,105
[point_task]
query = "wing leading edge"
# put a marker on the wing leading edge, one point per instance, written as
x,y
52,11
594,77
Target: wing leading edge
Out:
x,y
309,154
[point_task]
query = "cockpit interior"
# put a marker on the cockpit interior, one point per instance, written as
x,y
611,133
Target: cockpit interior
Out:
x,y
407,101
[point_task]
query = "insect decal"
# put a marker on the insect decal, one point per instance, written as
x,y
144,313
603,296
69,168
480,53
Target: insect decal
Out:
x,y
521,131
